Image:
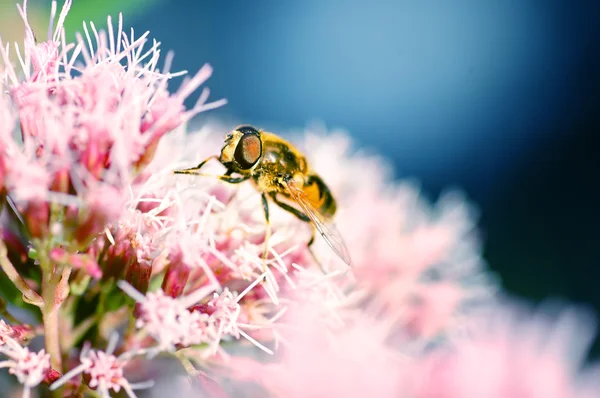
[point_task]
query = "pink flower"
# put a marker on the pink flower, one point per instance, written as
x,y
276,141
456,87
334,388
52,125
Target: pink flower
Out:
x,y
432,309
128,245
6,331
349,361
224,312
86,131
30,368
103,372
514,353
169,321
181,322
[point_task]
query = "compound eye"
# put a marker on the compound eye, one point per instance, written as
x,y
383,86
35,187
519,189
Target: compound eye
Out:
x,y
248,150
247,130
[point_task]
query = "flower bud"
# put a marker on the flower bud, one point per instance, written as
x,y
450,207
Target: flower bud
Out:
x,y
21,333
77,261
93,159
138,275
117,258
176,277
36,216
61,181
104,205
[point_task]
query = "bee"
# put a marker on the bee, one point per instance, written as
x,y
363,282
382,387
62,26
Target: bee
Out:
x,y
282,174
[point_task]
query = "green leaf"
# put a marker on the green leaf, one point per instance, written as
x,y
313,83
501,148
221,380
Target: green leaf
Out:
x,y
9,292
114,298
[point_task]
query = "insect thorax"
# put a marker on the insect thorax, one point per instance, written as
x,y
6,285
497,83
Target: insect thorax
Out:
x,y
280,156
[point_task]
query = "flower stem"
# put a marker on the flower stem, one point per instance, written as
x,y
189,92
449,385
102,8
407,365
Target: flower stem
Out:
x,y
55,288
29,295
187,364
50,319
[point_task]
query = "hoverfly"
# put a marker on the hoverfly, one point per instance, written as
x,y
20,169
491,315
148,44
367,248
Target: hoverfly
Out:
x,y
281,173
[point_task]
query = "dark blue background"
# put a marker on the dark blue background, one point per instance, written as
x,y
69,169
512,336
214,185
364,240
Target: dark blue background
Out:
x,y
454,92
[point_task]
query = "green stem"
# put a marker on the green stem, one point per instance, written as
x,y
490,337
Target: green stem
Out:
x,y
187,364
78,332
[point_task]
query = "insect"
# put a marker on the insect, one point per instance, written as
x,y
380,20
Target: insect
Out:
x,y
282,174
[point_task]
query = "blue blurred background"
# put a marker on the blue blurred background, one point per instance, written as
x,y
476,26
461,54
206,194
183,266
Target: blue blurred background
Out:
x,y
500,98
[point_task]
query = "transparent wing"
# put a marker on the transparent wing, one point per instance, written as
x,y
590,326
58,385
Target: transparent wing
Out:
x,y
327,229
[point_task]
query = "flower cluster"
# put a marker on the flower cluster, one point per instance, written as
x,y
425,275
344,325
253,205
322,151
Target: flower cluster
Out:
x,y
30,368
86,130
104,244
104,371
536,354
177,322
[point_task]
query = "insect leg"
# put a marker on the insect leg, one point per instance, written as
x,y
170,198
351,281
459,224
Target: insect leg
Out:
x,y
265,204
225,177
290,209
302,217
194,170
232,180
235,192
